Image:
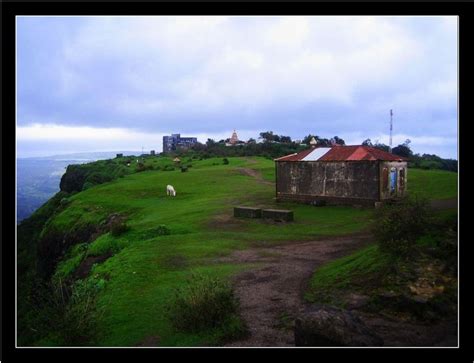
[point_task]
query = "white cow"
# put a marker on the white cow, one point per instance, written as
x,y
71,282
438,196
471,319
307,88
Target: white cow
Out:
x,y
170,190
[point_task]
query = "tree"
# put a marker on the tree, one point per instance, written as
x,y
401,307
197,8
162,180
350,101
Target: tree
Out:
x,y
338,140
381,146
210,142
267,136
323,142
403,149
285,139
251,141
367,142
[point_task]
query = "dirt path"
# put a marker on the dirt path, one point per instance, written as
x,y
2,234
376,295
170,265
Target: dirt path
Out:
x,y
255,174
444,203
271,294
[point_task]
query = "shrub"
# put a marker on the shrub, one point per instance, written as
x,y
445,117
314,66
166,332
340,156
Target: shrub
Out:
x,y
184,169
143,167
161,230
225,161
69,313
398,226
204,303
97,177
168,167
140,167
118,228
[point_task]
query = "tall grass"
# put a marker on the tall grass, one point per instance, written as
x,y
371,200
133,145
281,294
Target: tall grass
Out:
x,y
204,303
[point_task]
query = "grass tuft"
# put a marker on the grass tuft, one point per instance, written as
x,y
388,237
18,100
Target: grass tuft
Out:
x,y
205,303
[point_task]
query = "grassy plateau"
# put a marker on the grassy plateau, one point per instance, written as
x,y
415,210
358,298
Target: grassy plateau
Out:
x,y
145,267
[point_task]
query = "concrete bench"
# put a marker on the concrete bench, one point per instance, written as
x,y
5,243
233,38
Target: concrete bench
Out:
x,y
247,212
278,214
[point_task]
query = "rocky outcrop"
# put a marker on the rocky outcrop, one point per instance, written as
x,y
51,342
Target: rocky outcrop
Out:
x,y
327,326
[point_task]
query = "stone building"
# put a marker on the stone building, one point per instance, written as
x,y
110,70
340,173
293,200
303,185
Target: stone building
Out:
x,y
234,140
175,142
337,174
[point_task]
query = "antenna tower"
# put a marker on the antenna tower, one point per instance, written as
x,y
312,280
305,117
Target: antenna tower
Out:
x,y
391,128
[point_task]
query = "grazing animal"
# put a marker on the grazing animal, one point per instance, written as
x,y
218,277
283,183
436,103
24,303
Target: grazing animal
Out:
x,y
170,190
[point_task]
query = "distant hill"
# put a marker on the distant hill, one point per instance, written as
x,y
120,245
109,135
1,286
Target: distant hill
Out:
x,y
85,156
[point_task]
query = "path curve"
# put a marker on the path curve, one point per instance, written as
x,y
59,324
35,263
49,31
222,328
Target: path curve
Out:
x,y
271,295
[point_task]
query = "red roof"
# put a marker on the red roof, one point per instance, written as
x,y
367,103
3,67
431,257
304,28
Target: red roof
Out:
x,y
343,153
295,156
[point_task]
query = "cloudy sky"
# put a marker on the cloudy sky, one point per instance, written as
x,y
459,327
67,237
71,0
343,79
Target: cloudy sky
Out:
x,y
121,83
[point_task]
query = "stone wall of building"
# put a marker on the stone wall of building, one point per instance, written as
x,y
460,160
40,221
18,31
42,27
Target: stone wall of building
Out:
x,y
335,182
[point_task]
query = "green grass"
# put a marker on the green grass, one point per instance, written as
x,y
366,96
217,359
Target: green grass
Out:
x,y
72,260
369,270
432,184
340,274
146,267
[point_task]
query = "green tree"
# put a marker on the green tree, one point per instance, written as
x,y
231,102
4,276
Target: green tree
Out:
x,y
403,149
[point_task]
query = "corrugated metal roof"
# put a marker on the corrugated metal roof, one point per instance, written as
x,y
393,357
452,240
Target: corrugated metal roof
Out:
x,y
342,153
316,153
295,156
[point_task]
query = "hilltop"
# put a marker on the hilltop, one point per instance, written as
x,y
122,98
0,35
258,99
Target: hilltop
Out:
x,y
113,228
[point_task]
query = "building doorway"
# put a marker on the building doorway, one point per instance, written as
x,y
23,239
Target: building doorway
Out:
x,y
393,181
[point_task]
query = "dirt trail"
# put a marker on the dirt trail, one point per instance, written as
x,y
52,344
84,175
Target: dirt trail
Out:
x,y
271,295
444,203
255,174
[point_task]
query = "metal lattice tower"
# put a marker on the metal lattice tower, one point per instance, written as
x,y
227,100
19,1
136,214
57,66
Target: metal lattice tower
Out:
x,y
391,128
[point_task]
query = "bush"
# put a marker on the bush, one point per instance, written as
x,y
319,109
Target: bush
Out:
x,y
143,167
168,168
204,303
69,313
118,228
97,177
225,161
184,169
398,226
162,230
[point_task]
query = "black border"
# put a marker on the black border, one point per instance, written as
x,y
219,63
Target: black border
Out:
x,y
10,10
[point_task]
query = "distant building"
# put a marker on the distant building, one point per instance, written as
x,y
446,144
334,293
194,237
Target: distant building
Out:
x,y
152,152
175,142
234,140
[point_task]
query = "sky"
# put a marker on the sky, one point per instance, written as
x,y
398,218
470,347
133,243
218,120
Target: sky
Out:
x,y
121,83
